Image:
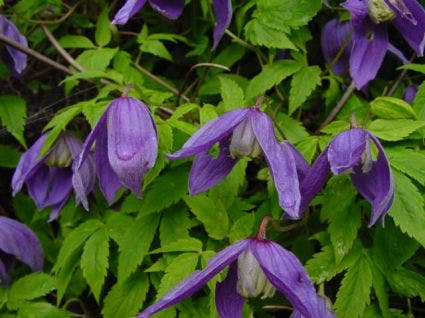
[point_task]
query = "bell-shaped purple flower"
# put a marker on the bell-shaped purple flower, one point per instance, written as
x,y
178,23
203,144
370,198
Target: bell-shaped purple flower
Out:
x,y
49,178
243,132
410,93
256,267
223,13
126,147
168,8
350,152
17,241
9,30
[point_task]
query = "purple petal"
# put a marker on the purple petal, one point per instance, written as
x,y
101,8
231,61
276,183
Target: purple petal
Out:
x,y
346,149
410,93
300,162
334,35
9,30
56,208
399,54
410,22
228,301
286,274
281,163
214,131
130,8
132,141
18,240
198,279
4,276
223,13
377,185
28,164
171,9
314,180
207,171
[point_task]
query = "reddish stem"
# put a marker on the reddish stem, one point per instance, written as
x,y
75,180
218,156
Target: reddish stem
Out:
x,y
258,102
262,229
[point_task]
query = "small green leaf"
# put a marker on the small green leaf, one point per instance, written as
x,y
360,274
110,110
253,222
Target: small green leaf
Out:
x,y
419,102
386,107
231,93
97,59
156,48
260,34
242,228
94,260
181,245
293,130
76,41
414,67
408,161
407,283
207,113
302,85
396,129
13,111
41,310
103,28
175,225
308,147
9,156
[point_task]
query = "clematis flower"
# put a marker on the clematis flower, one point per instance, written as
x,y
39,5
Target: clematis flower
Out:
x,y
257,266
410,93
126,147
370,37
17,241
9,30
243,132
49,179
350,152
223,13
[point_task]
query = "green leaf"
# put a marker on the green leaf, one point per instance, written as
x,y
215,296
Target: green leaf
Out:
x,y
386,107
308,147
396,129
270,75
419,102
94,260
125,299
76,41
408,161
118,225
407,283
136,245
179,268
242,228
29,287
156,48
353,295
217,223
174,225
9,156
293,130
407,210
231,93
378,283
414,67
207,113
97,59
260,34
13,111
302,85
182,245
103,29
41,310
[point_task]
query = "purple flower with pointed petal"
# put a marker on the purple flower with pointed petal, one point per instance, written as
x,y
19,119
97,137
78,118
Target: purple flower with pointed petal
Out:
x,y
18,241
171,9
19,59
256,267
126,147
350,152
49,179
410,93
223,13
242,132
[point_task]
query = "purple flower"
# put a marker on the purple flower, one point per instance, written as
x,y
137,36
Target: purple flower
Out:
x,y
223,13
410,93
49,178
244,132
370,37
256,267
18,241
169,8
350,152
126,147
9,30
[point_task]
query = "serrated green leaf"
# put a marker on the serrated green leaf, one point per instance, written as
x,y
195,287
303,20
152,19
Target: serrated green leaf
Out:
x,y
179,268
118,225
395,129
97,59
136,245
407,210
174,225
156,48
183,110
41,310
125,299
407,283
13,112
408,161
29,287
336,127
217,223
76,41
386,107
293,130
182,245
207,113
103,28
414,67
302,85
260,34
231,93
353,295
9,156
93,111
242,228
94,260
380,288
419,102
270,75
308,147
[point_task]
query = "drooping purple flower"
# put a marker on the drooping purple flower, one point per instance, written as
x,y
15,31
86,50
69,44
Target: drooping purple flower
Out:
x,y
410,93
126,147
256,267
350,152
223,13
171,9
17,241
243,132
9,30
49,178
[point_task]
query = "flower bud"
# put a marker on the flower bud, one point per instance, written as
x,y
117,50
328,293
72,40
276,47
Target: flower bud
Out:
x,y
251,279
379,11
244,142
60,155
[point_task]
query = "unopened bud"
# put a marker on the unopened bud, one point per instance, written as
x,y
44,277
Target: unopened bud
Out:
x,y
60,155
251,279
244,142
379,11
